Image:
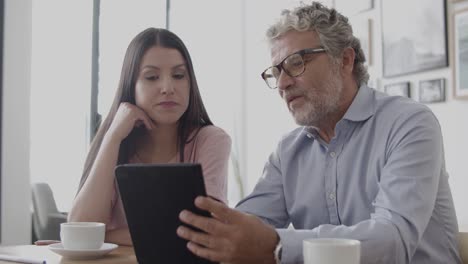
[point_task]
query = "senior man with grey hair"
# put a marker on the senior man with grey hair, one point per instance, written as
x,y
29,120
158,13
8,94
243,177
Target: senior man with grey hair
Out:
x,y
362,165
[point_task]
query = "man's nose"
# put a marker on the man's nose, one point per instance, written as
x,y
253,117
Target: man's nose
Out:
x,y
284,81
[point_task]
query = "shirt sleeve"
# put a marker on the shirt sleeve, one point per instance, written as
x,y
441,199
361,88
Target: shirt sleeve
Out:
x,y
411,173
213,151
267,199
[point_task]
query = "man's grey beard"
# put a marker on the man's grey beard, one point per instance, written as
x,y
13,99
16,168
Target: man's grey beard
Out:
x,y
316,110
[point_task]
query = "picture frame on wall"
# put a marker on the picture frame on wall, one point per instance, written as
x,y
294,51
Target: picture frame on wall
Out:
x,y
398,89
432,91
460,53
414,38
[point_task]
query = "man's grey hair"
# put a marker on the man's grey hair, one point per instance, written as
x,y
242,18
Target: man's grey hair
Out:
x,y
333,29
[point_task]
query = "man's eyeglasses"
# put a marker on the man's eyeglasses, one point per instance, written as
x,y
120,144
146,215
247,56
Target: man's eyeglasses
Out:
x,y
293,65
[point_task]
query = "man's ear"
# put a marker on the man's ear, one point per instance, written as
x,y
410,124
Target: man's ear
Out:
x,y
348,60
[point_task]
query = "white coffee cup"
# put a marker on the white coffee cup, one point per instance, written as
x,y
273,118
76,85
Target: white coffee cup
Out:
x,y
82,235
331,251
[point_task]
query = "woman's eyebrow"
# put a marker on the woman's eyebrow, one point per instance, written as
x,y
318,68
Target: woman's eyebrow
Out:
x,y
157,68
150,66
179,66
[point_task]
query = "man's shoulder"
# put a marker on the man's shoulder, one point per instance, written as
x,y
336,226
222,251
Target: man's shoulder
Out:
x,y
396,107
400,115
294,134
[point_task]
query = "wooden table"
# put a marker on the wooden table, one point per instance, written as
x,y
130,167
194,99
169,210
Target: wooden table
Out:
x,y
122,255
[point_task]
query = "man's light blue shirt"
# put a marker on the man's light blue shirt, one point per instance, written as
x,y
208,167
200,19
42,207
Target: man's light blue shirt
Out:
x,y
381,180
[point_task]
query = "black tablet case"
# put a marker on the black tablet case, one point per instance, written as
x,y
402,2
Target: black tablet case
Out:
x,y
153,195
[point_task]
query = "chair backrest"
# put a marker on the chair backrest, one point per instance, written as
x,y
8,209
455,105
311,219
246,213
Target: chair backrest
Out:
x,y
43,202
463,246
46,217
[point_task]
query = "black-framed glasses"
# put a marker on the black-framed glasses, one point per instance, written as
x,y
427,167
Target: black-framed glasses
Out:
x,y
293,65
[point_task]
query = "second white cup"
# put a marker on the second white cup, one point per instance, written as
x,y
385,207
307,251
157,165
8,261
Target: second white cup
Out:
x,y
82,235
331,251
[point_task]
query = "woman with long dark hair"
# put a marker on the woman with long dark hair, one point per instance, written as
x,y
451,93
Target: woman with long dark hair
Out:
x,y
157,117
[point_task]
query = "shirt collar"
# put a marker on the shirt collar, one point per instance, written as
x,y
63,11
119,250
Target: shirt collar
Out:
x,y
311,130
363,105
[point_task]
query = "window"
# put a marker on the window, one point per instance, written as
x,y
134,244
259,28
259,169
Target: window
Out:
x,y
60,92
120,21
61,80
217,56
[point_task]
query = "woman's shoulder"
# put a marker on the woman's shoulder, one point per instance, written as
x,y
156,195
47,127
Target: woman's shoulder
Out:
x,y
211,135
212,131
209,141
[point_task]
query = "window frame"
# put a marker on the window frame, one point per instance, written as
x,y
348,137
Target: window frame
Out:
x,y
95,118
2,18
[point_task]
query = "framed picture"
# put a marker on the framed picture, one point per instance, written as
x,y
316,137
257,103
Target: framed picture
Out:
x,y
362,29
460,53
432,91
349,8
414,37
399,89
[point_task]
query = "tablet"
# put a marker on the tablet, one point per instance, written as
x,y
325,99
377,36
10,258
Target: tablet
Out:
x,y
153,195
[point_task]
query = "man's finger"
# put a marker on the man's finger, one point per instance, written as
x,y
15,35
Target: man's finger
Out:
x,y
207,224
203,239
205,253
218,209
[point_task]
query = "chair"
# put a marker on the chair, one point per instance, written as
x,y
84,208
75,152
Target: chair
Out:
x,y
463,246
46,217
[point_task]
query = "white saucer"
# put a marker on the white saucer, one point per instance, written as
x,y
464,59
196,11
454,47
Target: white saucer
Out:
x,y
82,254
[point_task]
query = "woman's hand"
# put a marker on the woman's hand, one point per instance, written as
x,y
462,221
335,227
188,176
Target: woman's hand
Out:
x,y
128,116
46,242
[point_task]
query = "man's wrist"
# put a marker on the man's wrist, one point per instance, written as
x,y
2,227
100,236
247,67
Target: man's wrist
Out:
x,y
278,250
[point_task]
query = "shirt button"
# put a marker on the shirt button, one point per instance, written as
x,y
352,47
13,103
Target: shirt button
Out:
x,y
331,196
332,154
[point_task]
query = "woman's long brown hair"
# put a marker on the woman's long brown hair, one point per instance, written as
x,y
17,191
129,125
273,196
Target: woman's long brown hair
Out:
x,y
194,118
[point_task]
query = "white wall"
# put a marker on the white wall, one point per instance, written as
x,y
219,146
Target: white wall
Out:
x,y
218,58
60,94
16,194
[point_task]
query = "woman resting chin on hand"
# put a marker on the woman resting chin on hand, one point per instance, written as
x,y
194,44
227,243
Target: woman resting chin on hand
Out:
x,y
157,117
